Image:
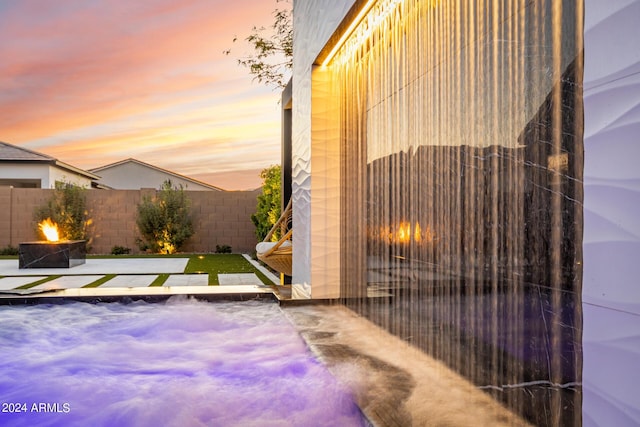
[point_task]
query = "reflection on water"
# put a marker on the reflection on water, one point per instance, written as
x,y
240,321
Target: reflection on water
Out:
x,y
461,133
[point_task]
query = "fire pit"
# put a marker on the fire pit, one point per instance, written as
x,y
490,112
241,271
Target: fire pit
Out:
x,y
52,253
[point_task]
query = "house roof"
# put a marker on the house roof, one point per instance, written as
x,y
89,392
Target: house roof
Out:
x,y
147,165
10,153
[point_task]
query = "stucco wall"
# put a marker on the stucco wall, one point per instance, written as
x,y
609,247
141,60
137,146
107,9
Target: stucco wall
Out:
x,y
133,176
219,218
47,174
611,295
314,22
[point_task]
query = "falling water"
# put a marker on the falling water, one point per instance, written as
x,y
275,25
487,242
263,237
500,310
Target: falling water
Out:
x,y
461,139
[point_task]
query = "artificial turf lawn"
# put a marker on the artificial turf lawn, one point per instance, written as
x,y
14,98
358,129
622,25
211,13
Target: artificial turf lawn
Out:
x,y
159,281
39,282
211,264
100,281
214,264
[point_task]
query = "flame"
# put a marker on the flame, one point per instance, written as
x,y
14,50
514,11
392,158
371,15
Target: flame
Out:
x,y
49,229
404,232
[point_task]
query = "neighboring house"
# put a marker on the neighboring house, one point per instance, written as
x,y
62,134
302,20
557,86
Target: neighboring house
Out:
x,y
132,174
22,168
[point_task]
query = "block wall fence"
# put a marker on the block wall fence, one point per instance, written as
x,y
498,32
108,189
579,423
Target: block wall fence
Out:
x,y
219,218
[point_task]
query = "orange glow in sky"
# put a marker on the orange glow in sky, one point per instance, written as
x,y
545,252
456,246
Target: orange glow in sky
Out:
x,y
92,83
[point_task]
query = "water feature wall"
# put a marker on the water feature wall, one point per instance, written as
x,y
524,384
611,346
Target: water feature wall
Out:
x,y
457,127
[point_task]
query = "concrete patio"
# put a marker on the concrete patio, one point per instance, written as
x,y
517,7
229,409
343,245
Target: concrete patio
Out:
x,y
133,277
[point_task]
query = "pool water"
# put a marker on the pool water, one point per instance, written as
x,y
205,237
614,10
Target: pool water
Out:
x,y
178,363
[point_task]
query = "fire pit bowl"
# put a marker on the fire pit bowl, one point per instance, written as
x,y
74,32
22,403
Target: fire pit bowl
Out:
x,y
61,254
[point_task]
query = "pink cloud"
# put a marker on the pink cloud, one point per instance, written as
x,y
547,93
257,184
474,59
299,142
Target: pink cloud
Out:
x,y
72,65
248,179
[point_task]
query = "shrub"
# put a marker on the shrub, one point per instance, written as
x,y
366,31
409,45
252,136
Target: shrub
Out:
x,y
142,245
9,250
164,221
268,208
68,209
120,250
223,249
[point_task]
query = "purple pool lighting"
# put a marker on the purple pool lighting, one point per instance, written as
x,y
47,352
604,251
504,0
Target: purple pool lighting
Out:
x,y
178,363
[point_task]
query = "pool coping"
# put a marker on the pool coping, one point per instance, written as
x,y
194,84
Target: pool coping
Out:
x,y
209,293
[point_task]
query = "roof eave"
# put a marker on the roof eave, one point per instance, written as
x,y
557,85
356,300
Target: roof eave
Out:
x,y
77,171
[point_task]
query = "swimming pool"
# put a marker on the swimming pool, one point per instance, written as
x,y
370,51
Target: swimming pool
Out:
x,y
178,363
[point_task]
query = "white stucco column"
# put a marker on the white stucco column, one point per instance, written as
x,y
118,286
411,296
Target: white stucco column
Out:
x,y
314,22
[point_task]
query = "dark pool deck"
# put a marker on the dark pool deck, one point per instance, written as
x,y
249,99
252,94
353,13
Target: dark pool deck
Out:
x,y
393,383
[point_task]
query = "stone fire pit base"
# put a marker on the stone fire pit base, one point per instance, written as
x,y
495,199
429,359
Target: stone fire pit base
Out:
x,y
52,254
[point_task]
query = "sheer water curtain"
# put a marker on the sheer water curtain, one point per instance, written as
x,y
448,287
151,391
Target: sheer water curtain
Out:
x,y
461,136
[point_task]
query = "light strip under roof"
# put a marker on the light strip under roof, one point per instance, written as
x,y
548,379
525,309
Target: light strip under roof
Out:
x,y
347,33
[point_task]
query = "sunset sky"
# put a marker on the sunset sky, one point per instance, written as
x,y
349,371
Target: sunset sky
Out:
x,y
92,82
